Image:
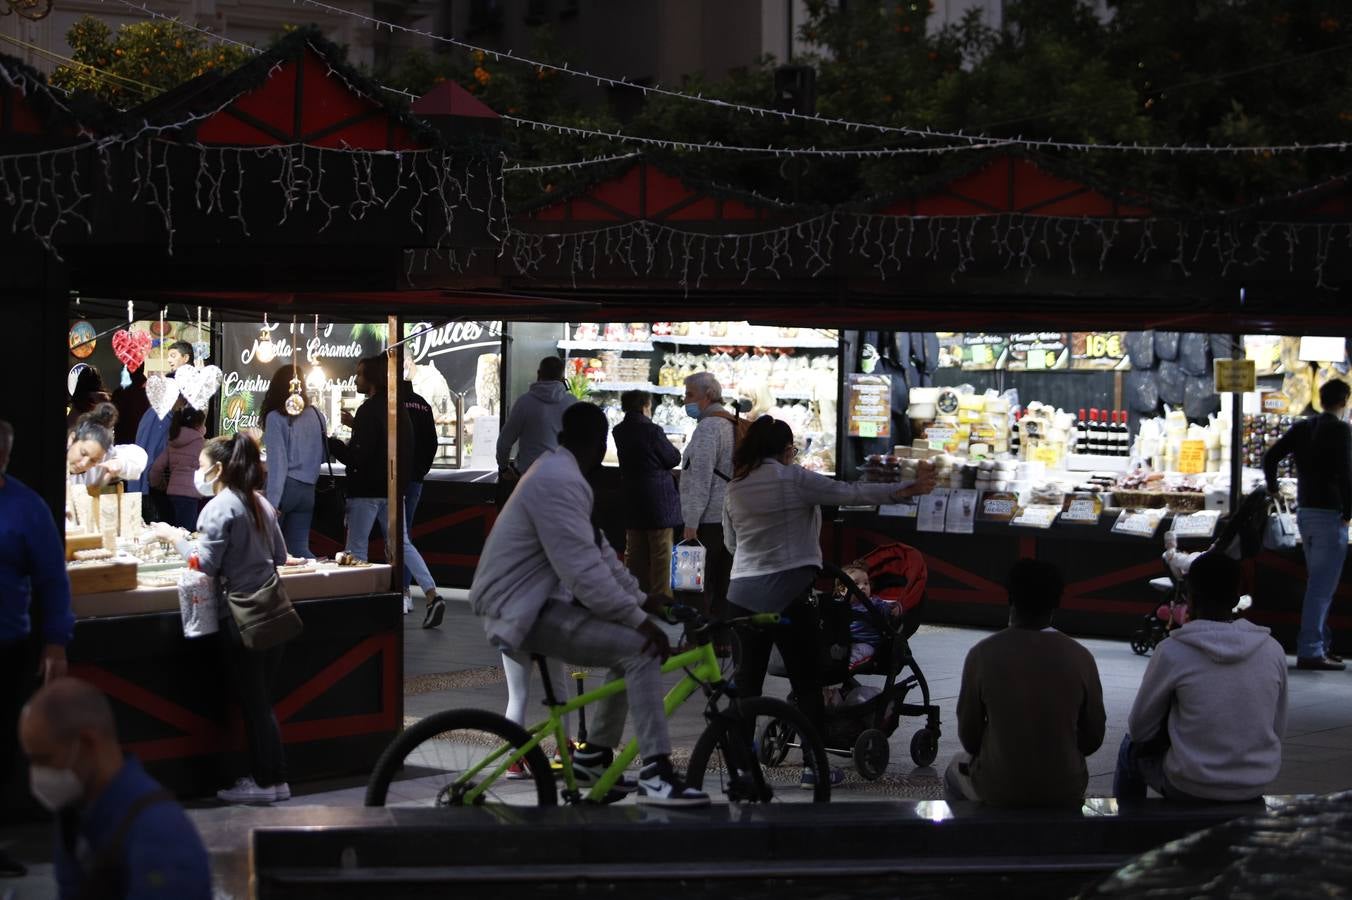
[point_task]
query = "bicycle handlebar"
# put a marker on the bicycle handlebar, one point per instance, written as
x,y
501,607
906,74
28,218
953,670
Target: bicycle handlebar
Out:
x,y
680,613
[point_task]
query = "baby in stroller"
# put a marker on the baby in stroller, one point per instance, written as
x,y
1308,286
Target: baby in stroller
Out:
x,y
865,636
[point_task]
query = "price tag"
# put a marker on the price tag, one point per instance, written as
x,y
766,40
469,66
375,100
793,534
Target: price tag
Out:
x,y
1047,455
961,512
1197,525
1192,458
868,429
1139,523
1081,509
933,510
998,506
1036,516
906,510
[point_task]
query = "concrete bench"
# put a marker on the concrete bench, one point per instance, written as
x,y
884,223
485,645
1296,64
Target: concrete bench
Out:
x,y
407,853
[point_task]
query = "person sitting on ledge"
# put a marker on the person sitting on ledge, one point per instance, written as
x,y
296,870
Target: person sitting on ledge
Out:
x,y
1208,719
1031,705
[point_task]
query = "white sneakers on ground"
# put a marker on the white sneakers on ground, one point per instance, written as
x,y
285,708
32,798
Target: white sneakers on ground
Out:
x,y
246,790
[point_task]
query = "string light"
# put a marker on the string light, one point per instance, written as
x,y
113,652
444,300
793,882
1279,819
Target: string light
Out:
x,y
317,379
582,163
832,121
264,350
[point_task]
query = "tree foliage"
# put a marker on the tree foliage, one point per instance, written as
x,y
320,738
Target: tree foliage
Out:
x,y
140,60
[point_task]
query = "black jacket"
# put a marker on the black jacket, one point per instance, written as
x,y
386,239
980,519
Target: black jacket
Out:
x,y
647,459
424,434
1323,448
365,455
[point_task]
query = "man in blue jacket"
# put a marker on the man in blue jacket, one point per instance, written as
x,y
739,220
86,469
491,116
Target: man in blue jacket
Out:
x,y
119,835
652,505
32,571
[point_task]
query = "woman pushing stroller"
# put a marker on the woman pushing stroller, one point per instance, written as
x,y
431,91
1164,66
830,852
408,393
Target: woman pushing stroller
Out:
x,y
772,526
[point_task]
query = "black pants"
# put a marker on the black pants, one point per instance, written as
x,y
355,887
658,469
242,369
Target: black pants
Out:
x,y
798,643
717,572
18,665
253,674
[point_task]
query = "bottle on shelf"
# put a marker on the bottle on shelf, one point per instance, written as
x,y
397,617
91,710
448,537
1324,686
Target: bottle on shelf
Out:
x,y
1081,434
1126,435
1094,442
1117,435
1015,445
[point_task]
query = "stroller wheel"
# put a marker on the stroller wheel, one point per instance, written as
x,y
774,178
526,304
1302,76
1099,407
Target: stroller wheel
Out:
x,y
924,747
871,753
1141,644
774,742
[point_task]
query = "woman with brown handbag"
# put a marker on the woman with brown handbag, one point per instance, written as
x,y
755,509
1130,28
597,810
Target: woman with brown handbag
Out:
x,y
241,544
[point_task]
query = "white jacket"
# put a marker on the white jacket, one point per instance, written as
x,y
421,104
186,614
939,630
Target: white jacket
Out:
x,y
772,520
543,547
1220,689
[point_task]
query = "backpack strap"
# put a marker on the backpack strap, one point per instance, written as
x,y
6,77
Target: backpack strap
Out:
x,y
104,876
735,422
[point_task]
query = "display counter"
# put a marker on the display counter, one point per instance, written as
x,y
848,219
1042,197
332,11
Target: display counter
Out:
x,y
338,693
1107,574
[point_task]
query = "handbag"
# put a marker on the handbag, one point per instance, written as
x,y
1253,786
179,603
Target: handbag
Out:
x,y
330,505
265,617
1282,532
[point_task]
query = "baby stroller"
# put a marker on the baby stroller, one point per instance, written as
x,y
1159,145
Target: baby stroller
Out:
x,y
1241,538
860,730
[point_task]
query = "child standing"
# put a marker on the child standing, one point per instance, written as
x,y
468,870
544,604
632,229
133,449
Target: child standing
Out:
x,y
173,469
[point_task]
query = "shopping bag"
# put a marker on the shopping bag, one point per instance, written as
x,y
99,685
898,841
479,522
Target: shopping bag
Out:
x,y
197,603
687,567
1282,532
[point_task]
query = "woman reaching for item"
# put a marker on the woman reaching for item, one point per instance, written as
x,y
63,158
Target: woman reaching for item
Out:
x,y
240,543
772,526
91,456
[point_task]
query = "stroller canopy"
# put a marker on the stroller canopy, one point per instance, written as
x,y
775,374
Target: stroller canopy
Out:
x,y
897,573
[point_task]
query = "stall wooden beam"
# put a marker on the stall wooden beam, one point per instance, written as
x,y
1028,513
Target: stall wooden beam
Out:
x,y
394,370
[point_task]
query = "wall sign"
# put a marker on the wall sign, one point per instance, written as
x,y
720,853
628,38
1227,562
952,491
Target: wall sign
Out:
x,y
1039,351
1098,350
870,406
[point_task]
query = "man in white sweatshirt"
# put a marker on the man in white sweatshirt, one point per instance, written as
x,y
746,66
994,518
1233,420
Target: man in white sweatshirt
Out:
x,y
549,583
1208,720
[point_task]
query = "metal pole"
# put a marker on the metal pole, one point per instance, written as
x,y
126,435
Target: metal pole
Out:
x,y
394,524
1236,435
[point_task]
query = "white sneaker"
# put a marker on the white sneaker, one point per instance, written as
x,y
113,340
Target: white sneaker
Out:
x,y
408,603
659,786
282,790
246,791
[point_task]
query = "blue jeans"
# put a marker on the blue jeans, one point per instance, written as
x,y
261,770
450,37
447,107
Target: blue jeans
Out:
x,y
296,511
1324,537
362,513
412,494
1142,765
185,510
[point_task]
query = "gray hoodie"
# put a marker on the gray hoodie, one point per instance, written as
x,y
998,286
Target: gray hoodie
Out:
x,y
535,421
1220,689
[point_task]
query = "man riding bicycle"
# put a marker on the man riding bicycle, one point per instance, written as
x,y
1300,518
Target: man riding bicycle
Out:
x,y
549,583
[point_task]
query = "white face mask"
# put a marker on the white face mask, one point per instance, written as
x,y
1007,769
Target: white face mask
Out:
x,y
205,486
55,788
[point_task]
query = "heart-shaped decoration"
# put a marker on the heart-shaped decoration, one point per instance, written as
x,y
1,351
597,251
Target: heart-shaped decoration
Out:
x,y
198,386
162,393
131,348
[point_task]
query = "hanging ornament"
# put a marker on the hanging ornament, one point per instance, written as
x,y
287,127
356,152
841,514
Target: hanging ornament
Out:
x,y
317,379
131,347
198,384
264,350
201,348
125,380
295,404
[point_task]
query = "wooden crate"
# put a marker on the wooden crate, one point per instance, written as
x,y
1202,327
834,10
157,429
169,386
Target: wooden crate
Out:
x,y
101,577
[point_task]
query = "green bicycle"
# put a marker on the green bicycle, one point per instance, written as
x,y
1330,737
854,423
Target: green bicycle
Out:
x,y
468,757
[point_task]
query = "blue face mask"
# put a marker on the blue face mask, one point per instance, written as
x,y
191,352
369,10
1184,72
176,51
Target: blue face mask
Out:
x,y
692,410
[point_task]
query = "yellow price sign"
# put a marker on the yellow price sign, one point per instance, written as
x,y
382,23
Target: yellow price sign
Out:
x,y
1192,458
1235,376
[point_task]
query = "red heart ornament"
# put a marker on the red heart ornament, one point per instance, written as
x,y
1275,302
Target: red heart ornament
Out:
x,y
131,348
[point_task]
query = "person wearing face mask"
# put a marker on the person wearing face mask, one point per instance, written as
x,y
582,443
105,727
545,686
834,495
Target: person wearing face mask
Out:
x,y
706,467
772,524
32,574
1322,446
119,833
241,543
152,436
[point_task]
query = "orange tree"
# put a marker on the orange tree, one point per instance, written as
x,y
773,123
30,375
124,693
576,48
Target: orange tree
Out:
x,y
139,60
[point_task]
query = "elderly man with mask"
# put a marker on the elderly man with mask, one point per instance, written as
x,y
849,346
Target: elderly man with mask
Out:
x,y
705,471
119,834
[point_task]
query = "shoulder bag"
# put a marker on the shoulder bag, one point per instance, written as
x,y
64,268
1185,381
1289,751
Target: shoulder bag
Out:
x,y
265,617
329,501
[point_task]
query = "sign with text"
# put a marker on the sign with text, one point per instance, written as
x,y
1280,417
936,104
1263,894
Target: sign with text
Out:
x,y
1192,458
870,406
1234,376
997,506
1082,509
1038,351
961,511
933,511
1196,525
1139,522
983,352
1098,350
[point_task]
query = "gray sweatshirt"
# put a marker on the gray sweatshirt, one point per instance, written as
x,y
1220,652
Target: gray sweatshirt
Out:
x,y
534,422
710,448
1220,689
231,547
543,547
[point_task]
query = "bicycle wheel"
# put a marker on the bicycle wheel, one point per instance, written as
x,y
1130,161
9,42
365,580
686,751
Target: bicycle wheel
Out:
x,y
724,750
423,765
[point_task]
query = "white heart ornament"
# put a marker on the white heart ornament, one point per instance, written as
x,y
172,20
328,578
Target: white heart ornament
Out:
x,y
198,386
162,393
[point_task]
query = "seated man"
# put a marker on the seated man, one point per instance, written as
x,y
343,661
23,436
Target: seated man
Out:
x,y
1208,719
1031,706
548,582
119,833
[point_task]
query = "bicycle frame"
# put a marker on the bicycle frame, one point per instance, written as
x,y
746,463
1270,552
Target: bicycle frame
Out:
x,y
701,667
